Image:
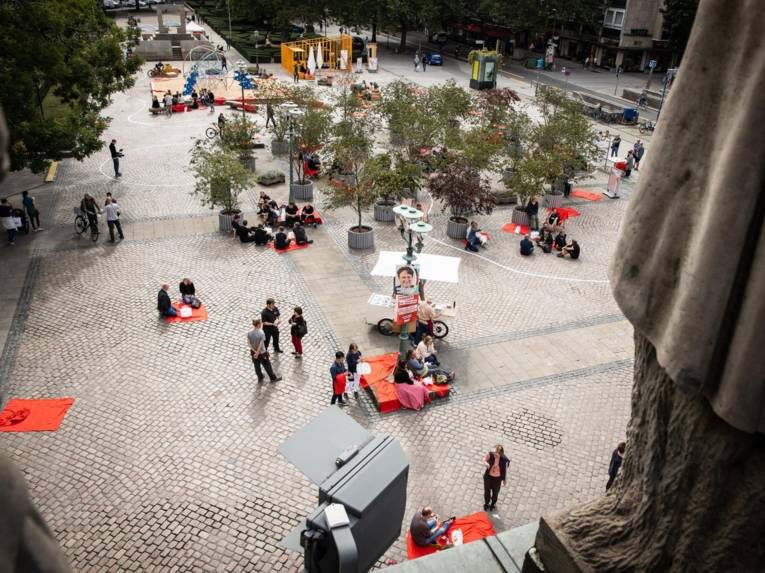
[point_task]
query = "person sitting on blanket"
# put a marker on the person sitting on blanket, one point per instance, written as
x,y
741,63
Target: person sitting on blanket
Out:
x,y
281,241
291,214
527,247
426,351
475,238
545,239
419,368
274,212
560,241
188,293
300,237
164,306
244,233
554,219
308,215
401,375
262,237
572,250
425,529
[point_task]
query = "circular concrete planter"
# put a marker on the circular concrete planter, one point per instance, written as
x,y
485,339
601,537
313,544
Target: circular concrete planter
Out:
x,y
384,211
361,237
554,199
303,191
224,220
457,228
280,147
519,217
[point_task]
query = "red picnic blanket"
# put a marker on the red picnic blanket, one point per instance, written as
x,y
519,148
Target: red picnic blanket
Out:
x,y
22,415
516,228
292,247
196,313
473,527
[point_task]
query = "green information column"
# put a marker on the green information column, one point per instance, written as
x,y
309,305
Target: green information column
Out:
x,y
484,73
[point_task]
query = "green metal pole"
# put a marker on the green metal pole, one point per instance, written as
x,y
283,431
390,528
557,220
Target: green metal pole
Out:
x,y
292,193
403,337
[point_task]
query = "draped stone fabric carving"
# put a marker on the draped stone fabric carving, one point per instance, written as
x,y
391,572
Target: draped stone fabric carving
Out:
x,y
689,270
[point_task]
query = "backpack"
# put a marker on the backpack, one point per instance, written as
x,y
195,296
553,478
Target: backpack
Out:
x,y
302,328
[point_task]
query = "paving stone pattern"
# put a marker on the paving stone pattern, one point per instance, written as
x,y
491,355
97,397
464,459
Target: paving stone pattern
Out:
x,y
168,459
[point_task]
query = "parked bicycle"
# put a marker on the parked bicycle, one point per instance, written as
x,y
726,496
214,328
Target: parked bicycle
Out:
x,y
82,224
213,131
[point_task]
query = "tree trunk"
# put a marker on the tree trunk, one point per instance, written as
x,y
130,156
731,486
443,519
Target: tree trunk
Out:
x,y
690,497
374,29
402,44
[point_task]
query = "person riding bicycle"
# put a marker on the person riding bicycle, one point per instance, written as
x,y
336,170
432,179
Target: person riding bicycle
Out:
x,y
643,99
91,210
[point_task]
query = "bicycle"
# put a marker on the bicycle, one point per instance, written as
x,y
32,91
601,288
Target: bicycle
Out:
x,y
213,132
82,223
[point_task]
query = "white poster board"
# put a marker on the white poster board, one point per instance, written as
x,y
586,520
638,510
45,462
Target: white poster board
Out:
x,y
431,267
343,59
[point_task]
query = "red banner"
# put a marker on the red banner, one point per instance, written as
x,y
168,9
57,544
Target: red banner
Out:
x,y
406,308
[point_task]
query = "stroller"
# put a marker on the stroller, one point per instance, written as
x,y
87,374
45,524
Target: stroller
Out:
x,y
22,216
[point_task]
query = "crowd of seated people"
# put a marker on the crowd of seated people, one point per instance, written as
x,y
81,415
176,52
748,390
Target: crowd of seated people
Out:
x,y
289,227
551,237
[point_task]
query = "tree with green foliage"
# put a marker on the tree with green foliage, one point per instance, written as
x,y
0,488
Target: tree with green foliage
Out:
x,y
220,176
678,22
61,62
351,149
311,130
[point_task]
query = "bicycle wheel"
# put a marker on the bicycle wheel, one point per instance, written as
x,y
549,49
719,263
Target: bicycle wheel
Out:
x,y
385,327
440,330
80,224
211,133
94,232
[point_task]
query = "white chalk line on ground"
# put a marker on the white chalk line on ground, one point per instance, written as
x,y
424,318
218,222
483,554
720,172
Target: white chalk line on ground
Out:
x,y
512,270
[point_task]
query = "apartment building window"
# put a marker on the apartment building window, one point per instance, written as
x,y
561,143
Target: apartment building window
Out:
x,y
614,18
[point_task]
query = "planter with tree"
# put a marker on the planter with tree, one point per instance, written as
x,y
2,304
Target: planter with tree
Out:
x,y
392,178
351,148
238,137
219,177
461,189
279,129
311,130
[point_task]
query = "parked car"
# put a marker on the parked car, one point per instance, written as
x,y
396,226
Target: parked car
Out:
x,y
111,4
434,59
438,37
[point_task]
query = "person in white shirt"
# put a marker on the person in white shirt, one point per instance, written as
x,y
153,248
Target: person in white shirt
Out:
x,y
426,350
112,210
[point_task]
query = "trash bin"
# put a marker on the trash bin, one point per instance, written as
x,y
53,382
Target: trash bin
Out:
x,y
540,64
630,114
531,63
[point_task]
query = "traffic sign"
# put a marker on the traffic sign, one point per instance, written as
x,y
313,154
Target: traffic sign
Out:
x,y
652,64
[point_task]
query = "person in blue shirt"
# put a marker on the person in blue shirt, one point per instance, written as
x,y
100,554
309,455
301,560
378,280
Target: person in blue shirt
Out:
x,y
527,247
31,209
338,367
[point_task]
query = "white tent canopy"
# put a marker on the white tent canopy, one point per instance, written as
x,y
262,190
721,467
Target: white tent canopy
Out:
x,y
319,57
194,28
432,267
311,61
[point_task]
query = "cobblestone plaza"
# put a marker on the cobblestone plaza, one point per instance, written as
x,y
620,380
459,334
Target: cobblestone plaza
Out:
x,y
168,459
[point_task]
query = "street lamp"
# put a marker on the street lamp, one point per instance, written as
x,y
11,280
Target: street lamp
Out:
x,y
292,113
240,65
411,226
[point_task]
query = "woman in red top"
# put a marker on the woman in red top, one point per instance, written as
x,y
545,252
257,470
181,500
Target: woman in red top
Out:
x,y
495,475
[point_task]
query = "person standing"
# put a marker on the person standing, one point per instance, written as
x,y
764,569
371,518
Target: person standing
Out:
x,y
168,99
112,211
270,115
164,305
298,329
353,378
211,101
32,211
337,372
270,317
424,61
295,72
417,62
495,475
256,338
6,216
639,150
223,63
532,210
616,462
91,210
617,141
630,160
116,157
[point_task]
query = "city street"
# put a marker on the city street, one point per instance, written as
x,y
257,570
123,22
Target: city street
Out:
x,y
168,460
